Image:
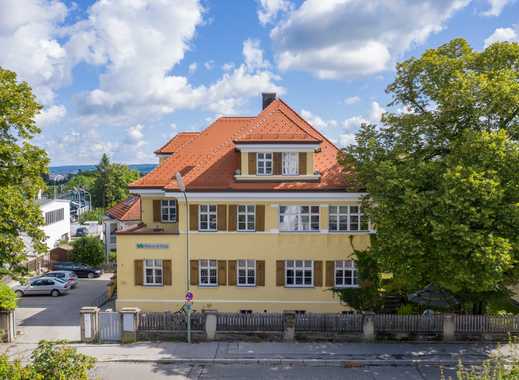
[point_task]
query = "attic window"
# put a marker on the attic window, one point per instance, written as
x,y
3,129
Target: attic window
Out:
x,y
264,163
290,163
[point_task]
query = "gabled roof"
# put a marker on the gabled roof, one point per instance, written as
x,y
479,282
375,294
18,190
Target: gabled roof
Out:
x,y
209,162
127,210
177,142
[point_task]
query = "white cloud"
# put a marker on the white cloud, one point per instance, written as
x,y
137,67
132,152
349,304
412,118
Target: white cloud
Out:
x,y
496,7
228,66
209,65
341,39
50,115
254,55
351,100
502,34
269,10
316,121
192,68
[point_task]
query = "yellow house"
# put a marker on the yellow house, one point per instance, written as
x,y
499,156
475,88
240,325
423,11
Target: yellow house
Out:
x,y
251,214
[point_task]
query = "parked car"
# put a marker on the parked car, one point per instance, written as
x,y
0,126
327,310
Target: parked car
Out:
x,y
43,286
82,231
82,270
65,275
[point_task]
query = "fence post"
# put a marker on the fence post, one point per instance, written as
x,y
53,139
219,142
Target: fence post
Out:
x,y
130,319
368,326
89,323
210,324
289,319
449,327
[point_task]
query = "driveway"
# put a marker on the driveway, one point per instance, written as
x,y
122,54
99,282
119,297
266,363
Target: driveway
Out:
x,y
46,317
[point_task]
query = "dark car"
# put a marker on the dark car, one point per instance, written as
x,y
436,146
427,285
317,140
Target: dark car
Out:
x,y
82,231
82,270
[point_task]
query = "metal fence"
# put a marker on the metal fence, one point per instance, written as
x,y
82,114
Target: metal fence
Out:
x,y
170,321
329,323
486,324
252,322
391,323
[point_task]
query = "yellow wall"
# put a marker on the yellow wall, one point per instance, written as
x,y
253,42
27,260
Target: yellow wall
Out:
x,y
269,246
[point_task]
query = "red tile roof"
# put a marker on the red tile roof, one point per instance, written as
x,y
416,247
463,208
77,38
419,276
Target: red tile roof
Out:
x,y
176,142
127,210
209,161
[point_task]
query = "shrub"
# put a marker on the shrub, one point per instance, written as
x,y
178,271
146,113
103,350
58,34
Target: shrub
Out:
x,y
406,309
88,250
96,214
7,297
16,371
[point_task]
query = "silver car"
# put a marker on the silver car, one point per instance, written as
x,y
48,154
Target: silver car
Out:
x,y
43,286
65,275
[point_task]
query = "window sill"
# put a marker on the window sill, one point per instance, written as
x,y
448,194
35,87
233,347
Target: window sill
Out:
x,y
300,232
346,286
246,286
207,286
276,178
153,285
299,286
207,230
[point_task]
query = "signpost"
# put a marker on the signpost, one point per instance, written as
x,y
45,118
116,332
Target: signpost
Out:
x,y
188,309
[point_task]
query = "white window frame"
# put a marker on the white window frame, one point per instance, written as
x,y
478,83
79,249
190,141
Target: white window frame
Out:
x,y
264,158
208,264
305,266
168,208
208,213
313,212
246,265
248,216
346,266
154,265
290,163
335,213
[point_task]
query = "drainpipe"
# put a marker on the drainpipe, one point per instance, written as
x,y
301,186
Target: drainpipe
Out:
x,y
182,188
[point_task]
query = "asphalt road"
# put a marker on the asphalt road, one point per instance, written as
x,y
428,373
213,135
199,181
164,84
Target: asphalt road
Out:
x,y
152,371
46,317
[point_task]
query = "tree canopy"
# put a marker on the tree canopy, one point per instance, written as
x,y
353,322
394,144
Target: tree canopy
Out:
x,y
22,166
88,250
442,172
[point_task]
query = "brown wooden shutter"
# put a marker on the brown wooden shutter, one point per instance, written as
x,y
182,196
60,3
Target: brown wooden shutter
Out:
x,y
260,272
222,217
232,217
176,208
222,272
166,269
193,217
318,273
194,272
252,164
330,269
302,163
156,210
277,163
138,269
231,276
280,273
260,217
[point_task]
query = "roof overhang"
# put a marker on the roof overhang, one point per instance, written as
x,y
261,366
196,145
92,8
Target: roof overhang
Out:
x,y
278,147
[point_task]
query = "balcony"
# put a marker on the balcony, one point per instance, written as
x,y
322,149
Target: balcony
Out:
x,y
143,229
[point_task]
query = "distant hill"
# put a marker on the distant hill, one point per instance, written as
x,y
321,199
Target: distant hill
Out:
x,y
74,169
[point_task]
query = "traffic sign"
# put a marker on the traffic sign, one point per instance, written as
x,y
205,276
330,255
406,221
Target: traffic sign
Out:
x,y
189,296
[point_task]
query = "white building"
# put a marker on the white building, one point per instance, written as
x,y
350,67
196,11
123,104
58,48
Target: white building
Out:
x,y
56,214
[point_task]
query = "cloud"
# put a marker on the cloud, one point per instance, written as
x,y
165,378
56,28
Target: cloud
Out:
x,y
209,65
496,7
502,34
343,39
269,9
50,115
351,100
192,68
254,55
317,121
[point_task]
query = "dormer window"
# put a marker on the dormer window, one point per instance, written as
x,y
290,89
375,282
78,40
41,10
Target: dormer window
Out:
x,y
290,163
264,163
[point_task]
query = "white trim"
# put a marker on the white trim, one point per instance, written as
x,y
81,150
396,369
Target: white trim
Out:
x,y
275,195
247,285
324,231
303,268
274,231
277,178
163,155
148,300
254,148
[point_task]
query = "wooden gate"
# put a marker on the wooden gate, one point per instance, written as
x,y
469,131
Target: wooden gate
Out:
x,y
109,326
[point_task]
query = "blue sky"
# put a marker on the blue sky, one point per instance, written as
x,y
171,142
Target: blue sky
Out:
x,y
124,76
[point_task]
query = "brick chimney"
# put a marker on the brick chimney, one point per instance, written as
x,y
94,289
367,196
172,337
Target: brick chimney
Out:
x,y
267,98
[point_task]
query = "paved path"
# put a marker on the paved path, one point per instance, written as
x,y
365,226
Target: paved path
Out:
x,y
46,317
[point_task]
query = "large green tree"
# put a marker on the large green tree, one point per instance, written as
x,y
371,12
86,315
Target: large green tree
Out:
x,y
111,183
21,168
442,172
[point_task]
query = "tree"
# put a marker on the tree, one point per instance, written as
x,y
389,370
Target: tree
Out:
x,y
7,297
442,176
88,250
85,180
111,184
22,166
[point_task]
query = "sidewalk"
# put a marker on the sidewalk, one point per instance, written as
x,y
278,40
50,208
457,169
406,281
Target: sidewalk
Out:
x,y
270,353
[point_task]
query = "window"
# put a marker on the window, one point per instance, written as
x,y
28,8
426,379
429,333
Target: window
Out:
x,y
208,273
207,215
346,274
264,163
290,163
299,273
299,218
246,272
247,218
347,218
168,210
152,272
54,216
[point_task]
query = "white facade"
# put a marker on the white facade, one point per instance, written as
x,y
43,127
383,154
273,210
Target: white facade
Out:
x,y
56,215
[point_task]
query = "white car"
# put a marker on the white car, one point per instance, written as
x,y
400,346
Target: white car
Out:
x,y
43,286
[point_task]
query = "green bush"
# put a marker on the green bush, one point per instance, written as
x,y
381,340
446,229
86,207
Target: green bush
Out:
x,y
7,297
88,250
16,371
96,214
406,309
